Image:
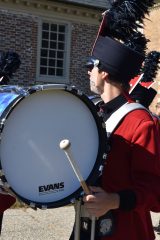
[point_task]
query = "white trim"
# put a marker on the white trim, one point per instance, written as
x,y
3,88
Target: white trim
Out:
x,y
49,9
138,80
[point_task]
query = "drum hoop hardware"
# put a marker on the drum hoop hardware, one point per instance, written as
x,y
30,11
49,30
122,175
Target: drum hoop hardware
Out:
x,y
8,110
32,205
101,167
72,200
13,89
100,114
44,207
1,173
2,121
105,156
46,87
6,185
70,88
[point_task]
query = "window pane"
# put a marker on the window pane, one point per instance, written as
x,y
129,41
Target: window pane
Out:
x,y
51,62
44,61
61,46
53,45
61,37
43,70
54,27
60,63
44,53
45,35
53,36
60,54
59,72
61,28
44,44
51,71
52,54
45,26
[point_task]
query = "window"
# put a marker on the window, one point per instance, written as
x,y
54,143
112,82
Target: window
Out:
x,y
53,59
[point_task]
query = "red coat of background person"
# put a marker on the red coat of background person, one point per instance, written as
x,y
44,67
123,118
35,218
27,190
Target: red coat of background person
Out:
x,y
6,201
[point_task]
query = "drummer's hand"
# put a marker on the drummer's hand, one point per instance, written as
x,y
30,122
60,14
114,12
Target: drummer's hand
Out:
x,y
100,202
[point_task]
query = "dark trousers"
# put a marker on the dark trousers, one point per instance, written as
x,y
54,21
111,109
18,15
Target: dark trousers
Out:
x,y
1,219
83,236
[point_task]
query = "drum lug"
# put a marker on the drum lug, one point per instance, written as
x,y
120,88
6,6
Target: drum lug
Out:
x,y
73,200
100,114
1,173
80,93
105,156
2,121
32,205
44,207
101,169
35,88
1,183
70,88
6,185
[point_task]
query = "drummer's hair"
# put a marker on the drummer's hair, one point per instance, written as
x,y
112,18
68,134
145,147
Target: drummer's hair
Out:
x,y
124,84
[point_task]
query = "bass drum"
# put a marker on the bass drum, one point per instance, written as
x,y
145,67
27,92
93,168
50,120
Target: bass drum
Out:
x,y
33,122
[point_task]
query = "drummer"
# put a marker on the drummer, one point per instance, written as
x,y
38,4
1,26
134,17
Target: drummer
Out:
x,y
129,185
132,166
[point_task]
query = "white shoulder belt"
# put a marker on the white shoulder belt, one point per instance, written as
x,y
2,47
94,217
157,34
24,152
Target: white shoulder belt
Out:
x,y
118,115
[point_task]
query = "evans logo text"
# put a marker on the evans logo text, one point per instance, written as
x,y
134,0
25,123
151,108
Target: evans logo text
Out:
x,y
51,188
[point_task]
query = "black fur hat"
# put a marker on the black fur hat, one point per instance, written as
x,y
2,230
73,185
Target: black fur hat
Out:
x,y
120,44
151,66
9,63
143,92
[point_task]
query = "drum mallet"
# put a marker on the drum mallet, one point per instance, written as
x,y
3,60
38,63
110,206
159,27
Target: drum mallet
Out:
x,y
65,145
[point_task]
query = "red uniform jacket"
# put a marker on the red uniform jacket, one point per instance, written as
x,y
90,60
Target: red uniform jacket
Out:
x,y
134,163
6,201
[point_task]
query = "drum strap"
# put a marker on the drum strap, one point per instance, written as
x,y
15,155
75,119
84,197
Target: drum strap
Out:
x,y
118,115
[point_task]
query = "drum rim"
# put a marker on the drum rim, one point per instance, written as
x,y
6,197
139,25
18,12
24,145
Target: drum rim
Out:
x,y
100,159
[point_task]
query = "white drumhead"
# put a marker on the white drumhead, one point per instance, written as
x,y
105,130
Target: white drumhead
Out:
x,y
33,164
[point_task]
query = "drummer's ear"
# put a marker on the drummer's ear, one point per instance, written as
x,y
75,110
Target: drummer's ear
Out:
x,y
104,75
